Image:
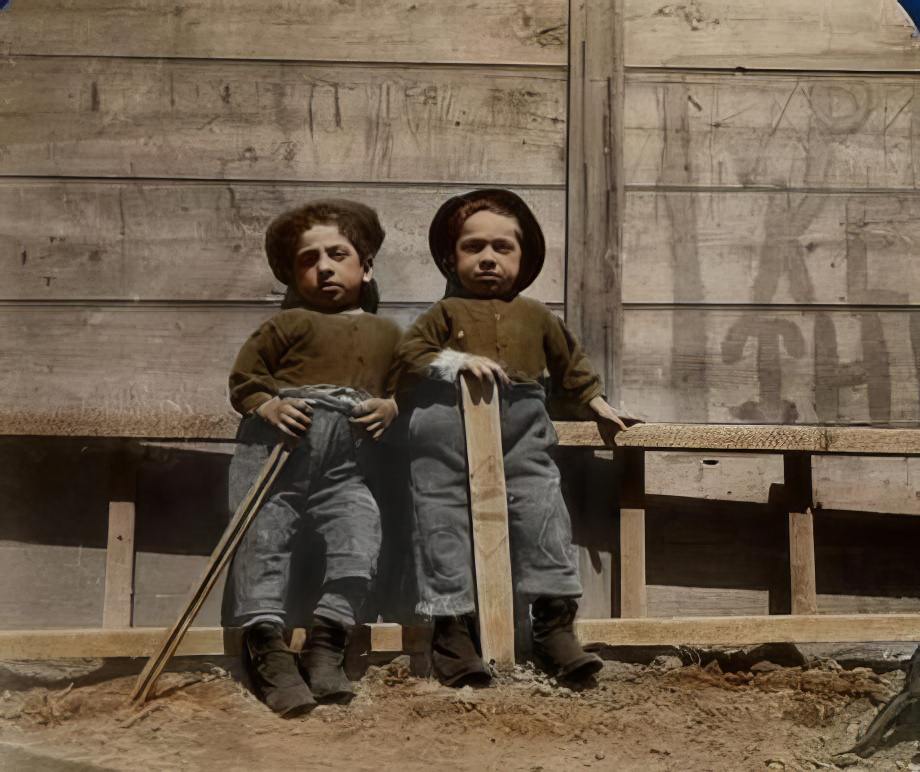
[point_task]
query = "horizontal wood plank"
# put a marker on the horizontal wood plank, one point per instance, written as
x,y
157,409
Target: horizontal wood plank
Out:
x,y
761,365
780,34
741,631
77,240
493,32
772,248
257,120
144,371
695,631
776,131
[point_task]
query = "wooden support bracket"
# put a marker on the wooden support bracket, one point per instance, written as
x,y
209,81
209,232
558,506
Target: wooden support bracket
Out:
x,y
798,485
632,534
118,603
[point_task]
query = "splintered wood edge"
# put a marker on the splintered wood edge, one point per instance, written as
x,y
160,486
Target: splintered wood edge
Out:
x,y
386,637
653,436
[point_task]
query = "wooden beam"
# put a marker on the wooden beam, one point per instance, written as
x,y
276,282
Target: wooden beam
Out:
x,y
596,185
687,631
632,535
489,508
740,631
798,490
118,603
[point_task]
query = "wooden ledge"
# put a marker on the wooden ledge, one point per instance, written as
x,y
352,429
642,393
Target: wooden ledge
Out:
x,y
689,437
686,631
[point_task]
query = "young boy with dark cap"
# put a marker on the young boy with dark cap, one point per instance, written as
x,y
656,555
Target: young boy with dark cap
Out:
x,y
316,374
490,247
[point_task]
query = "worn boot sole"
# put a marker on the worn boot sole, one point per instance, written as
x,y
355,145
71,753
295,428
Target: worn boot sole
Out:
x,y
582,668
290,702
475,678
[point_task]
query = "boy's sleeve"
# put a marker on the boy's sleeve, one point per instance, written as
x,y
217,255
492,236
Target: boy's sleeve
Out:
x,y
419,347
251,381
568,364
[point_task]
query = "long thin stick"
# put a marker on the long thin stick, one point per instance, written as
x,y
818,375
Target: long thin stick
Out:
x,y
232,536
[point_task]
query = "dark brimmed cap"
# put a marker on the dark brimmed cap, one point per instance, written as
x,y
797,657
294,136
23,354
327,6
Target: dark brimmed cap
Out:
x,y
445,230
357,222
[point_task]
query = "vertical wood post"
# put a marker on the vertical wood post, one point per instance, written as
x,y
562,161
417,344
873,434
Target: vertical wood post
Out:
x,y
595,184
632,534
799,492
489,508
118,603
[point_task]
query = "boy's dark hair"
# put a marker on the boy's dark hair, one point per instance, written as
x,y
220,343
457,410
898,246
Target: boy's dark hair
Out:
x,y
357,222
448,223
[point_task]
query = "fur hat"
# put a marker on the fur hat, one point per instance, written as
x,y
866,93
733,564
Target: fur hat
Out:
x,y
357,222
445,230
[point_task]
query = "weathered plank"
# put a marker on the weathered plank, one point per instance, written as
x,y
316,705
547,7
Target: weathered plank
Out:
x,y
252,120
739,631
633,598
774,366
798,494
780,34
868,484
777,131
770,248
117,609
489,516
122,371
394,30
696,631
194,241
596,185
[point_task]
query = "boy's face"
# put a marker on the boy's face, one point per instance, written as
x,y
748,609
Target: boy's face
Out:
x,y
487,256
328,272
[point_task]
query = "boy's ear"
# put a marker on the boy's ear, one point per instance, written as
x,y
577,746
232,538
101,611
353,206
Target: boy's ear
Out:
x,y
368,270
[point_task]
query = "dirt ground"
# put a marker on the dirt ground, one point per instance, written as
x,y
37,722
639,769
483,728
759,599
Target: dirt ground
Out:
x,y
663,716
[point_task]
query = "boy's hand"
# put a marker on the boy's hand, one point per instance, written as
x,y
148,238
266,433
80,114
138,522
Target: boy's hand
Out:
x,y
609,420
290,415
375,415
485,370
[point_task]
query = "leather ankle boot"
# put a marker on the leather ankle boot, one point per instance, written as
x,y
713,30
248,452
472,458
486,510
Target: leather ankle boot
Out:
x,y
273,670
555,646
455,655
323,662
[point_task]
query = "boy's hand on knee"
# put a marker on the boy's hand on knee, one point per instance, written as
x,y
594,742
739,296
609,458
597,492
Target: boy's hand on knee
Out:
x,y
485,370
375,415
609,420
292,416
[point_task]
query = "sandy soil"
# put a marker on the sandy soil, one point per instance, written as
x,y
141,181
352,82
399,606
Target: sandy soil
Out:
x,y
665,716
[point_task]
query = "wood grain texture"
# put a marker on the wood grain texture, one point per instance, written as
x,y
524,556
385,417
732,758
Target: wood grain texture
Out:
x,y
117,610
633,599
697,631
122,371
79,240
395,30
770,248
739,631
781,34
775,131
596,185
489,512
868,485
761,365
256,120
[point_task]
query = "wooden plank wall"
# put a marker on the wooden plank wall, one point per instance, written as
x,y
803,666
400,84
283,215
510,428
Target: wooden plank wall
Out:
x,y
768,275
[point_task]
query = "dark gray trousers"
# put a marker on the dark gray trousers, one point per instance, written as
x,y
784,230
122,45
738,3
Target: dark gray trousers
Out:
x,y
543,559
321,491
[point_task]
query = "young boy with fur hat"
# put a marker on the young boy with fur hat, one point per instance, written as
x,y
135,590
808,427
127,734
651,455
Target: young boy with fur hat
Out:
x,y
316,374
490,247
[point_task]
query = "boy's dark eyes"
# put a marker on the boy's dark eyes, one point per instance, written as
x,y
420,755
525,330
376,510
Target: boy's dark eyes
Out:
x,y
472,247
